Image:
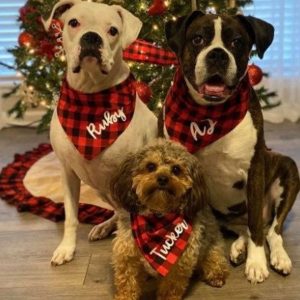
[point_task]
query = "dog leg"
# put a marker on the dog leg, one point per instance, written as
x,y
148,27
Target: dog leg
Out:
x,y
65,251
256,263
283,192
279,259
104,229
215,267
238,250
129,273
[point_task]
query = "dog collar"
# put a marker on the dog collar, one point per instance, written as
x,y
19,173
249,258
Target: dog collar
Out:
x,y
94,121
196,126
161,239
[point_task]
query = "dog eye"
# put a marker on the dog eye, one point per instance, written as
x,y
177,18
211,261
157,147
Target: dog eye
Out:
x,y
74,23
113,31
236,42
198,40
176,170
151,167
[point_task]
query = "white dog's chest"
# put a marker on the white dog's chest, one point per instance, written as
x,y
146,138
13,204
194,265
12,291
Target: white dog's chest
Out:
x,y
97,172
226,162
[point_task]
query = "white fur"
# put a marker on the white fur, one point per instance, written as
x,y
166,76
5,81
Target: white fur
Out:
x,y
217,42
97,18
238,247
142,128
256,263
278,256
227,161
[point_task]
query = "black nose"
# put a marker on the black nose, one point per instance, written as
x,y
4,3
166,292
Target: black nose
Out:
x,y
91,39
162,180
217,55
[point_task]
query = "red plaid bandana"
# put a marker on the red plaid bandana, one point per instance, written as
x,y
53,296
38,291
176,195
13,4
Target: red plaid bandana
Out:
x,y
146,52
196,126
94,121
161,240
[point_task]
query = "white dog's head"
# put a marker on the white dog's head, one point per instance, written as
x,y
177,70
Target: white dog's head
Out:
x,y
94,34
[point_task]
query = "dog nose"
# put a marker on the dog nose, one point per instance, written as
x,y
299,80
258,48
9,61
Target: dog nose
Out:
x,y
217,55
91,39
162,180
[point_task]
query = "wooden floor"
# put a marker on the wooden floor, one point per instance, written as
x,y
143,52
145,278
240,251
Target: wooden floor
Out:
x,y
27,243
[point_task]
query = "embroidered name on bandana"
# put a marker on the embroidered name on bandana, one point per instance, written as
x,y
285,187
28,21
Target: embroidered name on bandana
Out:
x,y
196,126
161,240
94,121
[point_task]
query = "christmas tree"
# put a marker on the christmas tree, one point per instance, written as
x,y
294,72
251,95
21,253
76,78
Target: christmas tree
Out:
x,y
41,61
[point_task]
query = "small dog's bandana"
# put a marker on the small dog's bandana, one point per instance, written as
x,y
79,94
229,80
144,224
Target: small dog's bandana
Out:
x,y
94,121
196,126
161,239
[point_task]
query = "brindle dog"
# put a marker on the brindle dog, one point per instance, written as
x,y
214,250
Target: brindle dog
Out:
x,y
242,173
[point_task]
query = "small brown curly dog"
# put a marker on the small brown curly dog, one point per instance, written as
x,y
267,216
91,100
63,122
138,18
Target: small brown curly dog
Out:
x,y
160,179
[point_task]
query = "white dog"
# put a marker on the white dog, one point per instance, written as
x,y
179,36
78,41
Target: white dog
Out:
x,y
94,36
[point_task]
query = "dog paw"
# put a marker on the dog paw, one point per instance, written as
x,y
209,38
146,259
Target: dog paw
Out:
x,y
101,231
217,281
62,255
281,262
256,271
238,251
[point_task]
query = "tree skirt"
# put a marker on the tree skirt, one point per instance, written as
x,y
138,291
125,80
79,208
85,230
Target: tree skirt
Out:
x,y
32,183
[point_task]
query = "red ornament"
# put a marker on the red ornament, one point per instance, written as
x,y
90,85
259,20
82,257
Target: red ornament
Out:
x,y
143,90
46,48
56,27
157,8
25,39
255,74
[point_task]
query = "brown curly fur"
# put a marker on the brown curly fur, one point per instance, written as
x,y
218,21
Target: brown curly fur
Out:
x,y
135,189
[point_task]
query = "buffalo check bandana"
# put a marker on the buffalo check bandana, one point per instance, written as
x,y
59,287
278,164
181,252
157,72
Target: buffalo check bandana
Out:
x,y
94,121
196,126
142,51
161,239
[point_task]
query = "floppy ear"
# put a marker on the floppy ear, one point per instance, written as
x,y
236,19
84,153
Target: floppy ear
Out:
x,y
121,186
197,197
260,31
131,26
58,9
175,30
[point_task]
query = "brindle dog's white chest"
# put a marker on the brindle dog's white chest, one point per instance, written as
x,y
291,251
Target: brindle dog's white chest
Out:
x,y
226,163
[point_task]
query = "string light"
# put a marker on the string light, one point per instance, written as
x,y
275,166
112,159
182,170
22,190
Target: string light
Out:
x,y
143,6
62,58
155,27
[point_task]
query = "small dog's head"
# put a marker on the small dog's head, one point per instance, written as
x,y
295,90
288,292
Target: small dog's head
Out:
x,y
161,178
94,34
214,51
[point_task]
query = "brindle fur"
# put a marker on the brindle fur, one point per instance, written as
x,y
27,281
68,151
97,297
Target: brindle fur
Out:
x,y
266,166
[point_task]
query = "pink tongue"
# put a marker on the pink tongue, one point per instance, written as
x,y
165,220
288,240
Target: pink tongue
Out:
x,y
214,89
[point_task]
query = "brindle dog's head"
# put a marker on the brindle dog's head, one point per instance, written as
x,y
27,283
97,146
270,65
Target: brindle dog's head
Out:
x,y
214,51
